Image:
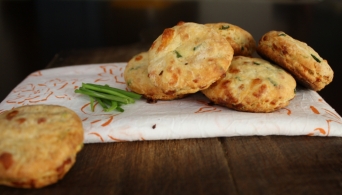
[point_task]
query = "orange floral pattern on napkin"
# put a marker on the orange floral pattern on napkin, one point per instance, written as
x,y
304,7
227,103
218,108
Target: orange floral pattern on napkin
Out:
x,y
192,117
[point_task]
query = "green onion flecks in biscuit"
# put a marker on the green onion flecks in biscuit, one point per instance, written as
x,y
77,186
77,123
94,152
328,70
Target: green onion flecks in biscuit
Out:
x,y
253,85
136,77
297,57
241,40
187,58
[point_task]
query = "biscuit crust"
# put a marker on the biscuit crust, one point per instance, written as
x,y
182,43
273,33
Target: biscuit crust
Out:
x,y
136,77
187,58
38,144
303,62
253,85
241,40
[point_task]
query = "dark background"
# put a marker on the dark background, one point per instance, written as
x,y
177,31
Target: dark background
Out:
x,y
32,32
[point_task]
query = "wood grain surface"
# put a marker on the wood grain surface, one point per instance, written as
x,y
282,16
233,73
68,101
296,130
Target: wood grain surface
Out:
x,y
234,165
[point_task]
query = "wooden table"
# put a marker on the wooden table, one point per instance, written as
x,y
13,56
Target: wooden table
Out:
x,y
234,165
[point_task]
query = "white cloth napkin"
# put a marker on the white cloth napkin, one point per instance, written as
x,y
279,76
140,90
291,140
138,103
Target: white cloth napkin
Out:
x,y
308,114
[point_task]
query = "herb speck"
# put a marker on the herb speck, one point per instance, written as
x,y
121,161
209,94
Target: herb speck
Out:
x,y
224,27
314,57
178,54
272,81
196,47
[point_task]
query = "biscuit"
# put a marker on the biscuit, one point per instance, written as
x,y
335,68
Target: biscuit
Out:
x,y
304,63
241,40
38,144
187,58
136,77
253,85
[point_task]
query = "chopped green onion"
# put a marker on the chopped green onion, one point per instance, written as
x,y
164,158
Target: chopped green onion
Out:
x,y
314,57
196,47
238,78
178,54
272,81
282,34
256,63
224,27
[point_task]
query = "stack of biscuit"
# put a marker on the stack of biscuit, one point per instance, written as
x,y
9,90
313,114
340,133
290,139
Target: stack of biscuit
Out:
x,y
185,59
216,59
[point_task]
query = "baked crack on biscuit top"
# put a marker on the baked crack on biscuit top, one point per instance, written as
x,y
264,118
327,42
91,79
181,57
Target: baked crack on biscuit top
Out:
x,y
187,58
136,77
38,144
241,40
303,62
253,85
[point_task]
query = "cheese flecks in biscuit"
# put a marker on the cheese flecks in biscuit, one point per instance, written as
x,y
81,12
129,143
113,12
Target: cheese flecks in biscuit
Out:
x,y
187,58
38,144
136,77
253,85
241,40
297,57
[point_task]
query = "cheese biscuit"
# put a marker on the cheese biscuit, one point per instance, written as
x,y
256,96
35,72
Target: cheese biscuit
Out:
x,y
38,144
304,63
187,58
136,77
253,85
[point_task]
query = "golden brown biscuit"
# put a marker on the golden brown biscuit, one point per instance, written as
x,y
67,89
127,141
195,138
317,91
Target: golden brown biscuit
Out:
x,y
38,144
187,58
136,77
253,85
242,41
297,57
